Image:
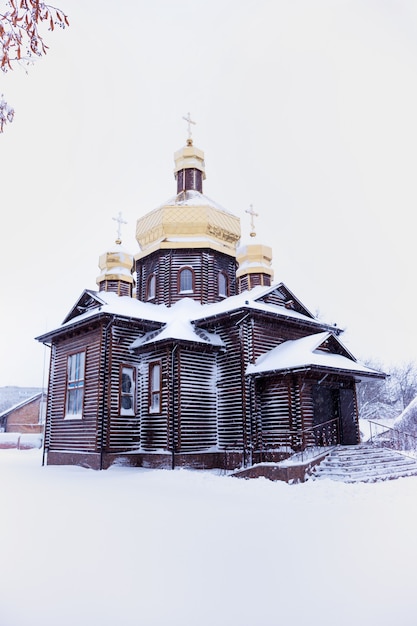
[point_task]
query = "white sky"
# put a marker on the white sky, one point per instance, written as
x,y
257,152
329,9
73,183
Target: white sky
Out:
x,y
304,109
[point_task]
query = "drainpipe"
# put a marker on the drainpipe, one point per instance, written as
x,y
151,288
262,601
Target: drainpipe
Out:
x,y
46,433
105,365
170,278
249,382
246,450
173,405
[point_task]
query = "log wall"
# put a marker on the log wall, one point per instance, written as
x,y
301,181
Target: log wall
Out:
x,y
206,265
197,401
74,434
267,334
231,390
154,427
122,432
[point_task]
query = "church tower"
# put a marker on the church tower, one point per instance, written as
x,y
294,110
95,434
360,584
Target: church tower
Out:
x,y
116,267
254,266
188,245
255,261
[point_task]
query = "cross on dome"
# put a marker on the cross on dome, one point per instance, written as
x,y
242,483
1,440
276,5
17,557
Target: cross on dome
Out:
x,y
119,219
252,216
189,122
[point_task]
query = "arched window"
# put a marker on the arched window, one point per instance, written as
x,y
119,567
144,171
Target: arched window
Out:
x,y
186,280
223,285
151,287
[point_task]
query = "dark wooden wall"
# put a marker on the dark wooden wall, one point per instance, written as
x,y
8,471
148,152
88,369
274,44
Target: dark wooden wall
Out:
x,y
197,400
120,287
269,333
207,402
154,430
249,281
165,264
74,434
121,432
286,404
231,389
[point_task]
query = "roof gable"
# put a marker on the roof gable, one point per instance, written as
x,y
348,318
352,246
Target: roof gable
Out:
x,y
280,295
88,301
275,300
332,345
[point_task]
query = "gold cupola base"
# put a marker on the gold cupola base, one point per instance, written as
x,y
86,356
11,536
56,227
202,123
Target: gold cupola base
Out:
x,y
116,271
254,269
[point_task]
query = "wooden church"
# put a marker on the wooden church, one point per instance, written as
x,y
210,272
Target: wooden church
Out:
x,y
188,354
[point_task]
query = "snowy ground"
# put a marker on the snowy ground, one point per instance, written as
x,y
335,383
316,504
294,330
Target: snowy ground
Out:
x,y
129,547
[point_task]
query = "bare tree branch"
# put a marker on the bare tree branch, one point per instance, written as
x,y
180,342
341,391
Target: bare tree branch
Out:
x,y
21,39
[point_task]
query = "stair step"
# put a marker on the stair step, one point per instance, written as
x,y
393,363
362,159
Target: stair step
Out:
x,y
358,463
363,463
364,474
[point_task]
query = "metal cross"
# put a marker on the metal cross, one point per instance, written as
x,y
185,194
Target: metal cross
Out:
x,y
252,215
189,122
119,219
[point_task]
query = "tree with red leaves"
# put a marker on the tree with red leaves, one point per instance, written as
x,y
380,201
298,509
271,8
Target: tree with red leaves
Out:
x,y
21,40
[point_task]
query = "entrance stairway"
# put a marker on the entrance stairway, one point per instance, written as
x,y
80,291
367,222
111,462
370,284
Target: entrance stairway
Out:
x,y
364,463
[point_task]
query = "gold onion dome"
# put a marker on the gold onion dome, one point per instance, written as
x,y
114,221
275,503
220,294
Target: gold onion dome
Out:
x,y
189,219
116,264
254,259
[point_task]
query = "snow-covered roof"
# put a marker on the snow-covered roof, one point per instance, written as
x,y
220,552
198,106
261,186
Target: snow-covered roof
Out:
x,y
188,310
21,403
192,197
180,327
304,353
124,306
252,300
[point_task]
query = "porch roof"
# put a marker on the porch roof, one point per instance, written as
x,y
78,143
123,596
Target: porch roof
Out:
x,y
305,353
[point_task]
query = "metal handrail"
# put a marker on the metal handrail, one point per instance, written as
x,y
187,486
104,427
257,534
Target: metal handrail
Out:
x,y
304,430
394,434
288,437
308,447
335,419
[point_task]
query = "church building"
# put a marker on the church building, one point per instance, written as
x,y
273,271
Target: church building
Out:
x,y
188,354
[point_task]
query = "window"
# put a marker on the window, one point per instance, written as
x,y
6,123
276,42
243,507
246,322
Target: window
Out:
x,y
222,284
186,280
151,287
75,385
127,390
155,387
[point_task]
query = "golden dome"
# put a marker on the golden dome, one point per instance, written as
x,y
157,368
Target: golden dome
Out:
x,y
116,264
254,259
189,220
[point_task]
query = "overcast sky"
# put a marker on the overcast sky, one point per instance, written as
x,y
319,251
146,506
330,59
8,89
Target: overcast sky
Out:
x,y
307,110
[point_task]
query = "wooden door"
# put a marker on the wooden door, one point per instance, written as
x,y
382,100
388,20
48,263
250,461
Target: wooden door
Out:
x,y
326,412
348,428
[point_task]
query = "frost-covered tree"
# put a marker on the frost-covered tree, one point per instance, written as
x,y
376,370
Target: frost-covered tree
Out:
x,y
375,400
404,381
379,399
21,39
